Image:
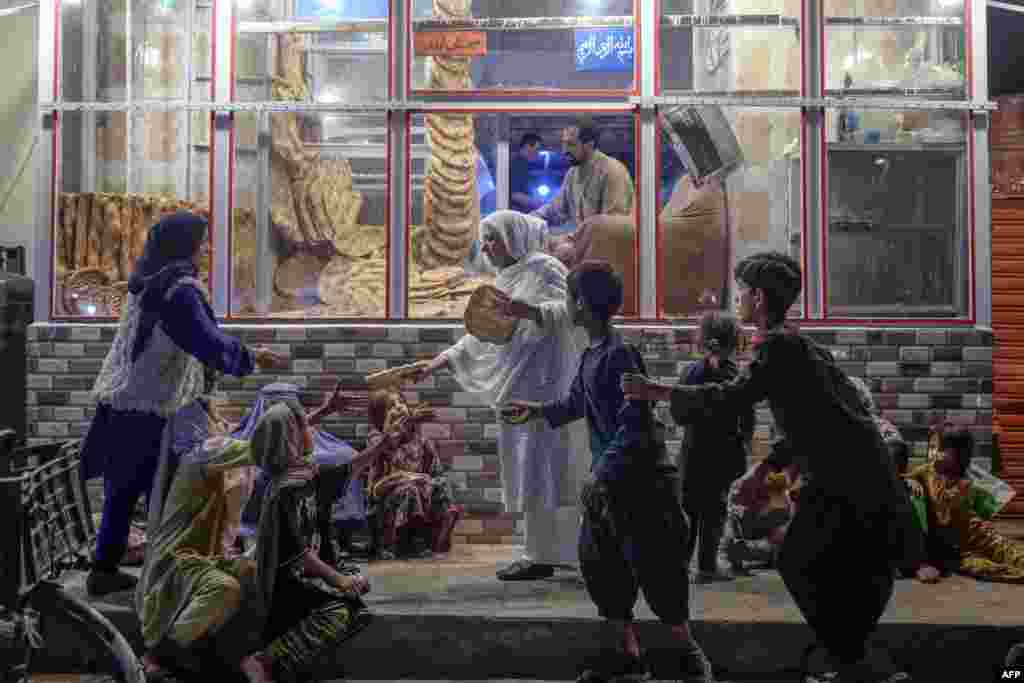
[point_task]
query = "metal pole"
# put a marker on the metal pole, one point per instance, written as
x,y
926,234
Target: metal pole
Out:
x,y
185,130
264,256
221,191
982,169
398,261
647,228
503,179
812,156
42,246
131,182
90,43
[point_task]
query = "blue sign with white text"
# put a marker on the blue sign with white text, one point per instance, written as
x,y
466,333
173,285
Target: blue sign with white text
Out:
x,y
341,9
604,49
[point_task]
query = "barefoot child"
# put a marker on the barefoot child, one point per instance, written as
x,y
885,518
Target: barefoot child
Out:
x,y
854,525
634,531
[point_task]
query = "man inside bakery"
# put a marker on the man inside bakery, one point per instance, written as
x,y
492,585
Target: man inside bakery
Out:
x,y
519,174
597,197
596,184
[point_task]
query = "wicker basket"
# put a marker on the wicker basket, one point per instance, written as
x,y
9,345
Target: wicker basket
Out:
x,y
85,287
484,319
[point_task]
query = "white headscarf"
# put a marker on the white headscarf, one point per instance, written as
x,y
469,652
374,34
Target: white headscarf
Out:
x,y
522,233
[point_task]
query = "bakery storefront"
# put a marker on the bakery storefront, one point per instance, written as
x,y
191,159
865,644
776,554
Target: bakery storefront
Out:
x,y
346,150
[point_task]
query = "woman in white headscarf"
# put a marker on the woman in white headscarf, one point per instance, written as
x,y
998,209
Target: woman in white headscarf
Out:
x,y
539,468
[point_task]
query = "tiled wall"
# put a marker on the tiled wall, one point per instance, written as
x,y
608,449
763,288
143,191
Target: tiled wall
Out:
x,y
917,376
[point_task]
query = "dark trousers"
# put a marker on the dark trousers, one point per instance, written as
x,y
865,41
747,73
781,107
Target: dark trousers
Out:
x,y
707,512
835,564
123,447
633,537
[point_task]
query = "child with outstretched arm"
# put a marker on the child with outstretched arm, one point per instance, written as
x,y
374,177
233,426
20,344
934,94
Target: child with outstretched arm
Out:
x,y
854,526
634,532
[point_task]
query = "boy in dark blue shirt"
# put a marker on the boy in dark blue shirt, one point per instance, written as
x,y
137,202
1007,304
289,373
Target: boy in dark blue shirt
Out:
x,y
634,532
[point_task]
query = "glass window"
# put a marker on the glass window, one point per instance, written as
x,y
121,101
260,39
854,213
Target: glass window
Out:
x,y
718,46
94,49
107,200
310,222
729,187
897,237
312,51
497,45
880,47
459,160
202,54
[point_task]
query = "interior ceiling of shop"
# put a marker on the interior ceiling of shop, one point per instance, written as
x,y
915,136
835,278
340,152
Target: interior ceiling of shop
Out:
x,y
1006,49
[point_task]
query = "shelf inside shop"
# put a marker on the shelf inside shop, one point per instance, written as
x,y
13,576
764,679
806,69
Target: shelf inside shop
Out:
x,y
894,22
938,92
957,147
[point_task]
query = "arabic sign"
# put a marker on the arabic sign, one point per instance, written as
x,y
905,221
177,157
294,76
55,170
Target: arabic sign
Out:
x,y
604,49
450,43
341,9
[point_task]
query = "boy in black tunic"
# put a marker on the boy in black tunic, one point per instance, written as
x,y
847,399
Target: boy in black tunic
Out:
x,y
634,531
854,525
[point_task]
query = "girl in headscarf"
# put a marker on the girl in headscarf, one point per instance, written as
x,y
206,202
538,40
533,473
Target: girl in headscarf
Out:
x,y
538,464
154,368
189,588
407,484
303,605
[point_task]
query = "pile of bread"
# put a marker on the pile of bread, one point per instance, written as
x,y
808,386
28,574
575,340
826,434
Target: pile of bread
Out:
x,y
99,236
451,205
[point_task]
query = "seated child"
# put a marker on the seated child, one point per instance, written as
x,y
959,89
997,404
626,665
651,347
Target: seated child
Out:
x,y
407,484
960,537
761,507
189,588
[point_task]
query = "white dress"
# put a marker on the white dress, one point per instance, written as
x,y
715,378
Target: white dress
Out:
x,y
540,467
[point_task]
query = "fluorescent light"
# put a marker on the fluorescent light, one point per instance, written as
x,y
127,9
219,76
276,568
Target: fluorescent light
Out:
x,y
543,190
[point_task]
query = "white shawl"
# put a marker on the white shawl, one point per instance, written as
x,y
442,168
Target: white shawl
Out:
x,y
538,363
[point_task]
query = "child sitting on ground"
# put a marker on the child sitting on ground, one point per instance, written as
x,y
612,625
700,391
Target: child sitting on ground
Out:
x,y
760,509
407,484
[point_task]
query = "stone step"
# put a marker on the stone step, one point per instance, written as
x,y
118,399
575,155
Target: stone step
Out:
x,y
460,646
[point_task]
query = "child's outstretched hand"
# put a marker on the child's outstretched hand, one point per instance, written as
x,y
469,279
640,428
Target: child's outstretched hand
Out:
x,y
640,388
520,412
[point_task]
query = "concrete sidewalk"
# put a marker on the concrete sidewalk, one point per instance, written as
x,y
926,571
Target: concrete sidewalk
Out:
x,y
450,618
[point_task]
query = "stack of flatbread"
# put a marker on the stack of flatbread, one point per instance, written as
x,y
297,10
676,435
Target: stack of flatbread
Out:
x,y
393,378
450,203
312,196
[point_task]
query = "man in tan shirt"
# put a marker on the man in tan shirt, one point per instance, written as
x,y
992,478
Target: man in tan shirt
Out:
x,y
597,194
596,184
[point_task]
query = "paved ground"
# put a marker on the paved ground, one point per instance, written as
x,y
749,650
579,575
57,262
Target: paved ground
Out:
x,y
449,618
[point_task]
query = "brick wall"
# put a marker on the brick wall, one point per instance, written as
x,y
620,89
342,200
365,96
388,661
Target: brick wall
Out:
x,y
917,376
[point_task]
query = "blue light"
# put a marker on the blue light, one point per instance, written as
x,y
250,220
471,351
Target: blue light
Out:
x,y
543,190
